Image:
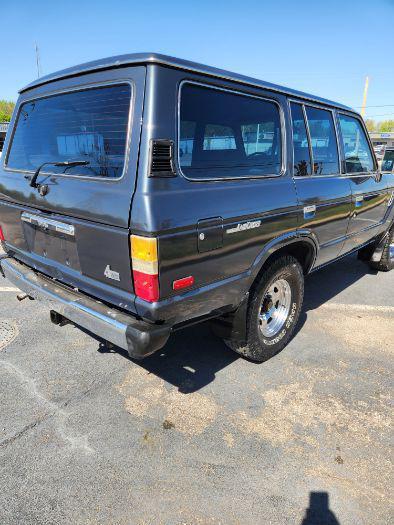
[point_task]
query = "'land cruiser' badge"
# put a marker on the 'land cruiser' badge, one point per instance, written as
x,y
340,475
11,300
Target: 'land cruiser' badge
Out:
x,y
111,274
250,225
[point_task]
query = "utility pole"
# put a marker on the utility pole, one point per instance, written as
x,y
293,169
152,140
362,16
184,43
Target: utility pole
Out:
x,y
365,96
38,61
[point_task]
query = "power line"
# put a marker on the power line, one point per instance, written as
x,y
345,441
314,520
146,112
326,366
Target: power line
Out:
x,y
381,115
382,106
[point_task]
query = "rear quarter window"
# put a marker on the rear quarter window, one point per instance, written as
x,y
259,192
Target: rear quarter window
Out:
x,y
89,125
358,155
228,135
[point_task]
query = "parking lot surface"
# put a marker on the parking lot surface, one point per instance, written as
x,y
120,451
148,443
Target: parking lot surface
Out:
x,y
196,434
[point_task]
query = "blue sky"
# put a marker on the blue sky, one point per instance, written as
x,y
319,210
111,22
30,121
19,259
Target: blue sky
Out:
x,y
323,47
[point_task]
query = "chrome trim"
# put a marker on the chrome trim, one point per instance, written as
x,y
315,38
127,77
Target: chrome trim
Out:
x,y
123,330
309,209
81,87
67,303
241,93
49,224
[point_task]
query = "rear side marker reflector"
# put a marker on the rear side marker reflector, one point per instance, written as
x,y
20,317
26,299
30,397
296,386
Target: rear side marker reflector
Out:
x,y
186,282
145,267
2,239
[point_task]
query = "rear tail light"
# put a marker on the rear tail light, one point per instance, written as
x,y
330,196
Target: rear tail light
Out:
x,y
145,267
2,238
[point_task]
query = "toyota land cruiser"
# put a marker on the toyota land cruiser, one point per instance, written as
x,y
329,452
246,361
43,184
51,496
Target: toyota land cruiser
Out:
x,y
143,193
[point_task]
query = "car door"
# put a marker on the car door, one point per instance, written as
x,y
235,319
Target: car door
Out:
x,y
324,194
369,187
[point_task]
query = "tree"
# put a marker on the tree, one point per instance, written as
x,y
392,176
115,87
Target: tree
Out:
x,y
371,124
6,109
386,126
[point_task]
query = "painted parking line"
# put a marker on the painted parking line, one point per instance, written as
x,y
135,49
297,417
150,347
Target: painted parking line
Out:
x,y
8,289
358,307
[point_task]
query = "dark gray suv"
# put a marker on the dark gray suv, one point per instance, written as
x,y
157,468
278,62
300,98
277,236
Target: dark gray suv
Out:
x,y
141,193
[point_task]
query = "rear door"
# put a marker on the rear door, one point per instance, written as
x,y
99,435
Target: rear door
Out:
x,y
323,193
369,188
78,232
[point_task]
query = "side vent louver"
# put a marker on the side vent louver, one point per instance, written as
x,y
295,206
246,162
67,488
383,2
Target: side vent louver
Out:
x,y
161,158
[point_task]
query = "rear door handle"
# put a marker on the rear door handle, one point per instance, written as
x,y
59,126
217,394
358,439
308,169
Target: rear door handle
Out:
x,y
309,212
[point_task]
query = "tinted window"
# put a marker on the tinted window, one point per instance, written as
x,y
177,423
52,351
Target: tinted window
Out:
x,y
323,141
357,153
86,125
388,161
302,159
226,135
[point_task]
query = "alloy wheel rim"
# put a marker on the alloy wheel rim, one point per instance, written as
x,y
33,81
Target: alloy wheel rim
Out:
x,y
274,308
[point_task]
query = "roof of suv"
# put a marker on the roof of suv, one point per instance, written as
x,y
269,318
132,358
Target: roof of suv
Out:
x,y
178,63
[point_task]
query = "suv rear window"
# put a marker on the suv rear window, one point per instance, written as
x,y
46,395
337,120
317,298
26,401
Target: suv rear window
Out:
x,y
228,135
89,125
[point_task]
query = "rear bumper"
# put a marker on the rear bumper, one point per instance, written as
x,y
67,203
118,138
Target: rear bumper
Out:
x,y
138,337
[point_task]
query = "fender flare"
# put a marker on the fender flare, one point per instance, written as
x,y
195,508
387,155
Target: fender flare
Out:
x,y
287,239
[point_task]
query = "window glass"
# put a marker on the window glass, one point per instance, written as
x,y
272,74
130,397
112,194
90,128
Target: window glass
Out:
x,y
302,158
226,135
218,137
388,161
88,125
358,155
323,141
186,142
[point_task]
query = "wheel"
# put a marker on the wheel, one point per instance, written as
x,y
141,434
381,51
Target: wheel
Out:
x,y
386,263
273,310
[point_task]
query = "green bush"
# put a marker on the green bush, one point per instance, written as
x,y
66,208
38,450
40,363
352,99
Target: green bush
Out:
x,y
6,109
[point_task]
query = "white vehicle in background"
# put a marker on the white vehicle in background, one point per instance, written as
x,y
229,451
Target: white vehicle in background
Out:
x,y
379,151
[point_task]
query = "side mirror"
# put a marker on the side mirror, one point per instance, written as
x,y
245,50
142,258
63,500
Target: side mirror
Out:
x,y
378,176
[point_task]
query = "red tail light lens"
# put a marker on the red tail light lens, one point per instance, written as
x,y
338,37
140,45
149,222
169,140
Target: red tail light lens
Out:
x,y
146,286
145,267
2,238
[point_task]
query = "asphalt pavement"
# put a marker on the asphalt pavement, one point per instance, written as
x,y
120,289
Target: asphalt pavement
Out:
x,y
195,434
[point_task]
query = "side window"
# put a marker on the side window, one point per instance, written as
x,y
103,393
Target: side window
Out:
x,y
323,141
358,155
228,135
302,158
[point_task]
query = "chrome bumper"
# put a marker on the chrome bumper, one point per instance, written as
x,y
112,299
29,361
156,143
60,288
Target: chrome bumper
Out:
x,y
138,337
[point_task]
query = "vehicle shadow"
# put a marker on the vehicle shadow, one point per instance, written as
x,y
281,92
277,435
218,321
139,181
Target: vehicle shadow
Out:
x,y
190,359
193,356
325,284
318,512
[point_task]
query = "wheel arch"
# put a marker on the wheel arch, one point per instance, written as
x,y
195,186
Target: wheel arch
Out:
x,y
302,246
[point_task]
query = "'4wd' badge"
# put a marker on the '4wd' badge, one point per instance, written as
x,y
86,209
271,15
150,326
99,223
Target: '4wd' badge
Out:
x,y
111,274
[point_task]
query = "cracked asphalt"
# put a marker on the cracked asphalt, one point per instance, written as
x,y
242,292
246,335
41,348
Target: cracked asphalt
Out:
x,y
195,434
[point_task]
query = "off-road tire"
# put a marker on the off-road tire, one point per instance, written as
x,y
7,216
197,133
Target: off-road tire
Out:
x,y
258,347
385,264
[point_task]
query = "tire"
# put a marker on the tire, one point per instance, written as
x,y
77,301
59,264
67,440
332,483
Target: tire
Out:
x,y
386,263
277,297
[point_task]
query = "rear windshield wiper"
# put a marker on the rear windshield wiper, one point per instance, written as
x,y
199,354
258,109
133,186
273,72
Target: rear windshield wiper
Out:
x,y
67,163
